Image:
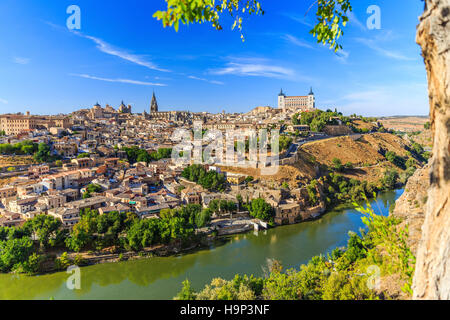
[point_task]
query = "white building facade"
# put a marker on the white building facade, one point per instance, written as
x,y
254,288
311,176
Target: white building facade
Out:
x,y
296,103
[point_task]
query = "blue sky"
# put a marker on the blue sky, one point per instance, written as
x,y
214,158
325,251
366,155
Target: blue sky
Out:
x,y
122,53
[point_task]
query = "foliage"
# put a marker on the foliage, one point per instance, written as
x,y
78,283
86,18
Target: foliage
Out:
x,y
261,210
92,188
331,16
392,157
21,148
221,207
43,154
240,288
343,275
83,155
318,119
175,224
44,227
337,164
135,154
390,179
211,180
98,231
338,188
186,293
14,253
295,120
249,179
312,192
200,11
63,262
385,235
284,142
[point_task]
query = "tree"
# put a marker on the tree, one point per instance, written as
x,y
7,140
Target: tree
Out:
x,y
43,154
285,142
186,293
260,209
331,16
44,227
14,253
203,218
337,164
390,179
392,157
295,120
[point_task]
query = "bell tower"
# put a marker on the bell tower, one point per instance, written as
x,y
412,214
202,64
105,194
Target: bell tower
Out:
x,y
154,104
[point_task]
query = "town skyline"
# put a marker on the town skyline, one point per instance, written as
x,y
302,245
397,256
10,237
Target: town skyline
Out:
x,y
198,69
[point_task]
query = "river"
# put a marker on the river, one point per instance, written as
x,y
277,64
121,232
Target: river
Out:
x,y
160,278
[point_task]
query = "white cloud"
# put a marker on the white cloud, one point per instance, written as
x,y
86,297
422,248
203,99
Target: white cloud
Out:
x,y
296,41
355,21
121,53
3,101
128,81
302,19
375,44
254,67
206,80
21,60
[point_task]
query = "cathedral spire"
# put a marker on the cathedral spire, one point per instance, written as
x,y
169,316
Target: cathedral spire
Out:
x,y
154,104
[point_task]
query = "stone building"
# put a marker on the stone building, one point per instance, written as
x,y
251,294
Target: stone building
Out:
x,y
124,109
296,103
14,124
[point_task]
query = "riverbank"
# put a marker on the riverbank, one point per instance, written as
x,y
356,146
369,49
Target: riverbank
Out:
x,y
202,242
161,277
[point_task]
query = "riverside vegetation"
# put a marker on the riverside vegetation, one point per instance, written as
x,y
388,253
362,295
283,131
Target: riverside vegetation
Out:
x,y
33,248
347,273
114,232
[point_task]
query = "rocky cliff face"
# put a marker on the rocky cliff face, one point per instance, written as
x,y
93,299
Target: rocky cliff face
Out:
x,y
411,205
432,276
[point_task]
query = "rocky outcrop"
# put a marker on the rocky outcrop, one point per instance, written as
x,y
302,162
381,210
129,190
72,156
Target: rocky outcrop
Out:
x,y
411,205
432,275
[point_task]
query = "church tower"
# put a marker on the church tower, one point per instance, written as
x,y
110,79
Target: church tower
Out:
x,y
154,104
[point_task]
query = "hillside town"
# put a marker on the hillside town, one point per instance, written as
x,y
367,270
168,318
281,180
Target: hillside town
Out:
x,y
90,144
113,161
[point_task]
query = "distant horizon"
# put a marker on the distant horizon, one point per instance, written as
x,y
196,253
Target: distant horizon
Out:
x,y
48,68
184,110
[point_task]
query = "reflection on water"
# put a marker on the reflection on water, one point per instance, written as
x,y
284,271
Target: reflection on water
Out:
x,y
160,278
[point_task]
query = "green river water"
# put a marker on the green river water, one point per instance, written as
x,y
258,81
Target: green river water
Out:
x,y
160,278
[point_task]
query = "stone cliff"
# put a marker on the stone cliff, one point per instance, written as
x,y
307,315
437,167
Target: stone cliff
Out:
x,y
411,205
432,275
